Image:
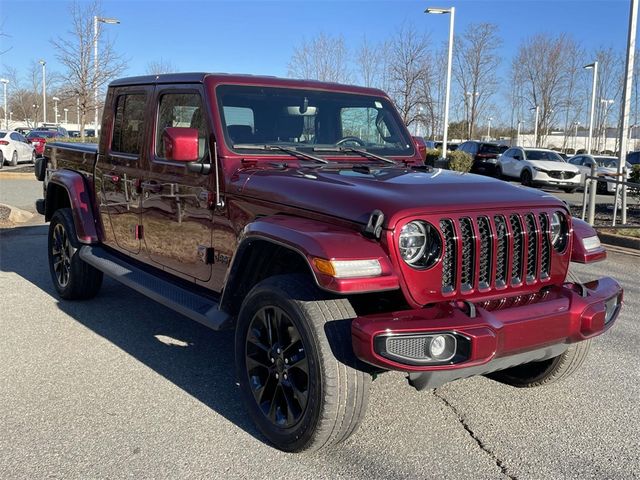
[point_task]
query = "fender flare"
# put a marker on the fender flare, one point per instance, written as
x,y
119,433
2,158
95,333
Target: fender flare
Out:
x,y
315,239
579,253
80,200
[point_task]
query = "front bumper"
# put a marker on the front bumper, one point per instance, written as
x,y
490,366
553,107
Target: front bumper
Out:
x,y
496,339
542,178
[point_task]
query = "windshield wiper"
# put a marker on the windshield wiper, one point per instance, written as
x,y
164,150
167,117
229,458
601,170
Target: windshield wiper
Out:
x,y
362,153
289,150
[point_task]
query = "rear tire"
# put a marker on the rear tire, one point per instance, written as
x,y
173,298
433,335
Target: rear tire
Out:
x,y
73,278
537,374
33,157
296,391
1,160
14,159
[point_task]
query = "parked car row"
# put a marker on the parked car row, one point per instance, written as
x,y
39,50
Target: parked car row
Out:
x,y
544,167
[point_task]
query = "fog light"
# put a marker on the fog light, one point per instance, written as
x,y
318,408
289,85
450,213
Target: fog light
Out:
x,y
437,346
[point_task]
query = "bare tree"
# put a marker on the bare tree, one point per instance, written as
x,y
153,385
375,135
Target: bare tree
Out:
x,y
322,58
474,67
539,69
368,64
157,67
408,70
75,53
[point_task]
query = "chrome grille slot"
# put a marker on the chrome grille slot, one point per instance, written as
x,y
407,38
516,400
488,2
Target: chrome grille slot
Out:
x,y
518,250
545,246
532,246
502,255
486,252
449,258
468,259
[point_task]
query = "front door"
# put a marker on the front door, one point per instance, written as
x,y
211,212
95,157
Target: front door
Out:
x,y
118,173
177,215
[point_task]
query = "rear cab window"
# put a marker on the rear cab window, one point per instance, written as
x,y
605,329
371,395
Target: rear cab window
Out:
x,y
128,124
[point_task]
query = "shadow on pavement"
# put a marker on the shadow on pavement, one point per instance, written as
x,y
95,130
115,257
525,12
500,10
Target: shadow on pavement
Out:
x,y
192,357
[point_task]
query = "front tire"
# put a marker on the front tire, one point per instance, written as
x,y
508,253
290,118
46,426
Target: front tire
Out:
x,y
537,374
73,278
526,179
300,396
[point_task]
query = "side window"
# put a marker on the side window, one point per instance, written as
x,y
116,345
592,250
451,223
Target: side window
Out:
x,y
463,147
181,110
15,136
518,154
508,153
128,124
473,148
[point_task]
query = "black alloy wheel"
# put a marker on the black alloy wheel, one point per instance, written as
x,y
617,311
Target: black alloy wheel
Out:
x,y
61,253
277,367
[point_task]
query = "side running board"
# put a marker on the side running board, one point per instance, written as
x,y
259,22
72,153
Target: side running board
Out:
x,y
196,307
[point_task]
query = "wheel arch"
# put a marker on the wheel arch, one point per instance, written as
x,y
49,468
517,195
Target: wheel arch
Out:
x,y
68,189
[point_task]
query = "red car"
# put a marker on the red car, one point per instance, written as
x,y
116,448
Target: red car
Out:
x,y
38,138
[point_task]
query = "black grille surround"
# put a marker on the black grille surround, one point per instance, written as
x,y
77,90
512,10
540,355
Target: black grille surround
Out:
x,y
488,256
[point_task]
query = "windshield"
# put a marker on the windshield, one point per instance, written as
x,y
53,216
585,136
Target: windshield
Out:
x,y
308,119
543,155
606,162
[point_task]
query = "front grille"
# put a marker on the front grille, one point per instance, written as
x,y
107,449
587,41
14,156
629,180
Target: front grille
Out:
x,y
498,251
562,175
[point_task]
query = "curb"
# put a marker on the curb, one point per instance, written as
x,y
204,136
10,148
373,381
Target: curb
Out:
x,y
18,175
619,240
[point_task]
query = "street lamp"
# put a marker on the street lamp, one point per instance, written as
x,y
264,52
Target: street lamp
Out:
x,y
5,82
96,19
592,66
44,91
607,105
452,12
489,128
66,121
535,129
520,122
55,108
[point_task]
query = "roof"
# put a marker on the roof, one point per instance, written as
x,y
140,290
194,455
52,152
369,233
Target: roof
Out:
x,y
238,78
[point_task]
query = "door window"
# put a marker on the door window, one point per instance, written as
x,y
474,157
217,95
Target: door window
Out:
x,y
128,124
181,110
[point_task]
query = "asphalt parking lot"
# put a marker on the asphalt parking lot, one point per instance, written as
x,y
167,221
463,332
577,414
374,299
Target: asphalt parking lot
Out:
x,y
121,387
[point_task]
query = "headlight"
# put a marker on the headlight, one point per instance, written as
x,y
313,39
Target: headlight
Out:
x,y
559,231
419,244
538,169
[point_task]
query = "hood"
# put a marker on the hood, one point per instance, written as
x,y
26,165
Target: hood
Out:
x,y
554,166
398,192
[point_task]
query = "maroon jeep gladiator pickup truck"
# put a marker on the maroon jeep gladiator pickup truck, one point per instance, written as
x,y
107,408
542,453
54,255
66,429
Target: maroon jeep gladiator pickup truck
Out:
x,y
301,214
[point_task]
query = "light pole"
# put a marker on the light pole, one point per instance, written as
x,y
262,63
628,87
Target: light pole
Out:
x,y
97,19
489,128
66,121
592,66
520,122
44,91
447,90
607,104
55,108
472,101
535,128
5,82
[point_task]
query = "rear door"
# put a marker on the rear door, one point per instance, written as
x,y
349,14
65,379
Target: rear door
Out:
x,y
119,168
177,217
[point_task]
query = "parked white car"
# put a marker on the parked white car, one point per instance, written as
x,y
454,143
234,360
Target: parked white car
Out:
x,y
14,148
538,166
606,167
